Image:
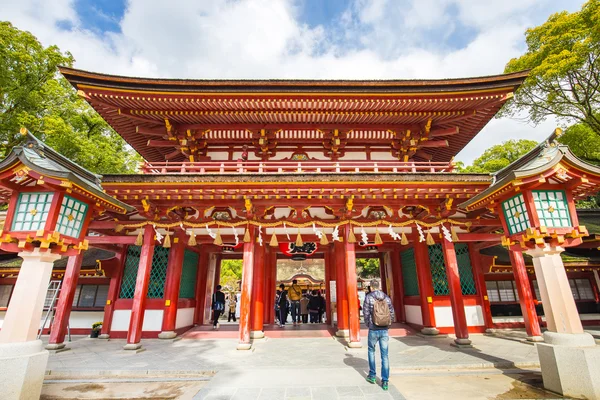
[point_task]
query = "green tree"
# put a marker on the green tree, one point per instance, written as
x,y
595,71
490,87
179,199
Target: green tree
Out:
x,y
231,273
563,55
35,96
367,267
499,156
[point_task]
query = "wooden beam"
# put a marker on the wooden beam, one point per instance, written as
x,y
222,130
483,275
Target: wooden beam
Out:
x,y
444,132
434,143
158,132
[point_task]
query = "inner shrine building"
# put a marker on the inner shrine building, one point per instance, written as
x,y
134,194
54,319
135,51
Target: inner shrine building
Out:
x,y
262,170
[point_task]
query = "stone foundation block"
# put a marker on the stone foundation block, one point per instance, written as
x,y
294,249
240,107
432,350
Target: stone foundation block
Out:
x,y
22,369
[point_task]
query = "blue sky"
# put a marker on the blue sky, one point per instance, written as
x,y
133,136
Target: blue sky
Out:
x,y
319,39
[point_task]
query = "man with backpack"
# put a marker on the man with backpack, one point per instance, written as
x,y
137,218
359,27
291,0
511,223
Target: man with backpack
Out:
x,y
378,312
218,306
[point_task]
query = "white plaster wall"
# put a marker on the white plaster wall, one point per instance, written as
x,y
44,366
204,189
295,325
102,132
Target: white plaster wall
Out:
x,y
443,316
354,156
387,156
153,320
413,314
120,320
185,317
2,314
85,319
218,155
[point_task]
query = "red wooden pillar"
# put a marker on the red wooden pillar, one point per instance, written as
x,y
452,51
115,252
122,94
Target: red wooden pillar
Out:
x,y
425,288
532,325
398,286
258,293
201,288
341,290
141,291
332,277
461,329
480,284
217,280
327,261
383,274
270,284
172,285
113,293
65,301
353,313
246,298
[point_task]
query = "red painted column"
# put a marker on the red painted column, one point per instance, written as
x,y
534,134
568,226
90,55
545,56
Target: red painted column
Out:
x,y
217,279
530,318
65,301
332,277
479,275
113,293
172,285
398,292
246,298
201,288
327,261
425,288
461,329
270,281
138,309
353,313
258,293
383,274
341,290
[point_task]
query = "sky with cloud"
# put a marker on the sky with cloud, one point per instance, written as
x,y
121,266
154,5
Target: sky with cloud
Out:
x,y
328,39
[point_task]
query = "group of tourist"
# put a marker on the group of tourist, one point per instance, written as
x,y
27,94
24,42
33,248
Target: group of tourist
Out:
x,y
301,305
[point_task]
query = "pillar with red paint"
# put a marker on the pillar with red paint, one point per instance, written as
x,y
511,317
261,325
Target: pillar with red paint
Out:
x,y
201,288
478,271
456,298
246,298
341,290
113,292
258,289
134,334
65,301
383,274
327,262
172,285
425,288
398,286
532,326
352,291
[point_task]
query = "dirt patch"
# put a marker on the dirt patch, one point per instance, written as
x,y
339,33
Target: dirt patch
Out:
x,y
86,387
530,386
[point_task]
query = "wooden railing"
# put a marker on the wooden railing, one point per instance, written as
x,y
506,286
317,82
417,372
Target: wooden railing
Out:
x,y
294,167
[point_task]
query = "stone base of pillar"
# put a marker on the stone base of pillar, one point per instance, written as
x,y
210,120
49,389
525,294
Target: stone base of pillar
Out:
x,y
104,336
22,369
132,346
257,334
56,348
462,343
355,345
534,338
430,331
343,333
167,335
244,346
569,363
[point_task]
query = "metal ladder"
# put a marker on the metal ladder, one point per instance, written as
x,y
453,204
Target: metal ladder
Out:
x,y
49,305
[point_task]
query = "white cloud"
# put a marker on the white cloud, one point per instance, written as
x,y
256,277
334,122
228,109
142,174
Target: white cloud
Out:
x,y
265,39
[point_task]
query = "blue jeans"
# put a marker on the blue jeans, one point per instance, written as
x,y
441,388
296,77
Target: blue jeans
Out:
x,y
295,306
381,337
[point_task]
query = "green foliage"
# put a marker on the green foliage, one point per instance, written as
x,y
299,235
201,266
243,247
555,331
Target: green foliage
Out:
x,y
367,267
563,55
231,273
583,142
499,156
33,95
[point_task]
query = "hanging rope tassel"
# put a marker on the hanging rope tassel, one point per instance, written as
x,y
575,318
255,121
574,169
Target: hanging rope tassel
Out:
x,y
192,240
403,239
378,240
299,242
139,240
454,235
274,242
429,239
167,242
218,241
247,235
324,241
351,237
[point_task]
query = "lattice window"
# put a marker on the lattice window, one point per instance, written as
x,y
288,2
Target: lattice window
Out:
x,y
552,208
71,216
158,273
32,211
438,270
465,270
132,263
515,214
409,273
187,289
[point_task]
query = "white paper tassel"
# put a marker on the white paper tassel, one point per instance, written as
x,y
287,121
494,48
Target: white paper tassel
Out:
x,y
260,239
335,235
394,235
363,235
447,234
286,232
421,234
210,232
235,235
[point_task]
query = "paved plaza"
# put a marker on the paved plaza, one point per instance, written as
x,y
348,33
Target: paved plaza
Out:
x,y
287,367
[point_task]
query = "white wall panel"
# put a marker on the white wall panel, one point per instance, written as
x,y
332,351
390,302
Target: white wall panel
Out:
x,y
413,314
185,317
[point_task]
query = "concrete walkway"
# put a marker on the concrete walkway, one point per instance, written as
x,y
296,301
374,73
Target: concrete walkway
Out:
x,y
290,368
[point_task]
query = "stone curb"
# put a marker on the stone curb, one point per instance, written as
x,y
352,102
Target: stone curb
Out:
x,y
128,372
474,366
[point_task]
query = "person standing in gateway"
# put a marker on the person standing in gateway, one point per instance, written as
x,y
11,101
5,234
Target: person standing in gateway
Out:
x,y
295,294
378,312
218,306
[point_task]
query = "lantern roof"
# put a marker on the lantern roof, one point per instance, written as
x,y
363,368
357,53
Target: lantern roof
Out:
x,y
549,162
37,156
